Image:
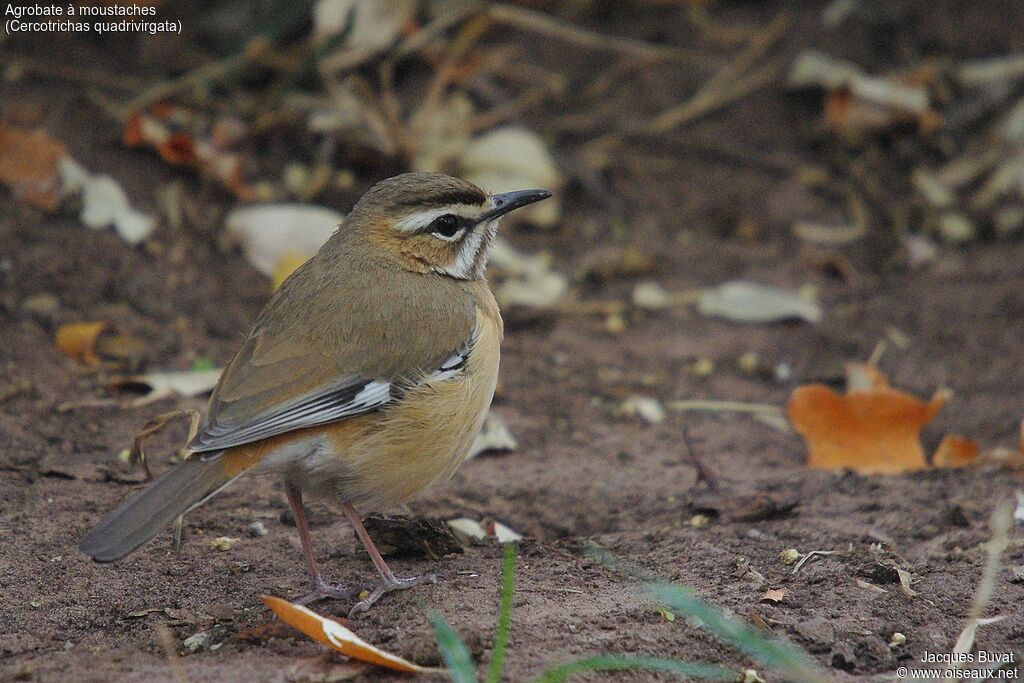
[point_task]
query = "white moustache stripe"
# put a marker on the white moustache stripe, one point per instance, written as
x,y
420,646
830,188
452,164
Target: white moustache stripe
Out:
x,y
461,266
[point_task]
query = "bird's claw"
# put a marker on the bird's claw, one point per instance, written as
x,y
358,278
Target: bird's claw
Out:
x,y
386,587
323,590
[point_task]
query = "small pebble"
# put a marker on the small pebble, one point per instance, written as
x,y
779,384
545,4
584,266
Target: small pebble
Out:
x,y
257,529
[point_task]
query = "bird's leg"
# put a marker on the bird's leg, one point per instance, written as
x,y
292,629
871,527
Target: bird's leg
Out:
x,y
321,589
389,582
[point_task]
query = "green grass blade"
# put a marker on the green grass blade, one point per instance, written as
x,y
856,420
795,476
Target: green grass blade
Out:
x,y
561,673
455,653
769,652
508,588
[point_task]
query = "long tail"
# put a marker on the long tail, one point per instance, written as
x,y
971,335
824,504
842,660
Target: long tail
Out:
x,y
148,512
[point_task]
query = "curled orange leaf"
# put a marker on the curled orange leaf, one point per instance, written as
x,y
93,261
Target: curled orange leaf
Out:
x,y
955,451
870,430
78,340
337,637
30,165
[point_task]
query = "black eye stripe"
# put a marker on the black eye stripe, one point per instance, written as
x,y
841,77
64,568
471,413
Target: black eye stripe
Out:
x,y
447,225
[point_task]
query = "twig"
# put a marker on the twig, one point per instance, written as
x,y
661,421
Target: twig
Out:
x,y
703,472
759,44
706,102
137,453
213,71
543,24
508,110
67,72
726,407
420,39
14,389
820,553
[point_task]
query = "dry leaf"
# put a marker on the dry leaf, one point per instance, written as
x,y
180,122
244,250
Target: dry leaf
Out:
x,y
494,436
752,302
334,635
163,384
870,430
78,340
375,26
30,166
774,595
179,139
955,451
468,528
472,529
105,204
525,280
503,533
270,232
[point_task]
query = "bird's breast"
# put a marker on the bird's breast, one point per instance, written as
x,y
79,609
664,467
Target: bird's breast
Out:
x,y
426,434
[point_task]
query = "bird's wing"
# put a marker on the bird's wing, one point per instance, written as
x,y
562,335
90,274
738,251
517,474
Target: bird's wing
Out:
x,y
300,368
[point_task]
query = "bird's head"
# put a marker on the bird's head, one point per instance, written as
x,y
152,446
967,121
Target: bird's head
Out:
x,y
434,223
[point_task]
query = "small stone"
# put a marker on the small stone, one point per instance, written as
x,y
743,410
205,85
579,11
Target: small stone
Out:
x,y
650,296
842,657
615,324
223,543
257,529
790,556
897,640
647,408
197,642
702,367
819,633
699,521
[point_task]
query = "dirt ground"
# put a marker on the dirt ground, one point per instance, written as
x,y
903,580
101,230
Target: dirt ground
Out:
x,y
581,473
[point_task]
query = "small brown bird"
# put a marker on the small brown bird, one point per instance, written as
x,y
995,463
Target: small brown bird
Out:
x,y
365,378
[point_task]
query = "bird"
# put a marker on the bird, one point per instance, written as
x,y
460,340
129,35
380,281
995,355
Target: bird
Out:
x,y
364,380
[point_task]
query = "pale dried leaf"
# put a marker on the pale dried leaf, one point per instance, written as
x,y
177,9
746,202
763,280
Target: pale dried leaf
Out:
x,y
504,534
526,280
268,232
494,436
753,302
468,528
188,383
647,408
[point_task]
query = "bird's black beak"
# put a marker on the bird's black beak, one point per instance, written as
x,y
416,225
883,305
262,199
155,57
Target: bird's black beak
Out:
x,y
510,201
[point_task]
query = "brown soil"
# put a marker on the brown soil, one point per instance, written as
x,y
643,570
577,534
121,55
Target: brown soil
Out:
x,y
581,474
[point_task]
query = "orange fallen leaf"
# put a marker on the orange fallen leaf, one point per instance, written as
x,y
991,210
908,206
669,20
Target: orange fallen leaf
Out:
x,y
30,165
78,340
955,451
871,430
332,634
774,595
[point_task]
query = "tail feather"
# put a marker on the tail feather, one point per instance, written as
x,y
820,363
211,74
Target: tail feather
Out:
x,y
148,512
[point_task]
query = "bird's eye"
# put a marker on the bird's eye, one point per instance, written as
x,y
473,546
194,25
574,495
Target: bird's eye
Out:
x,y
445,226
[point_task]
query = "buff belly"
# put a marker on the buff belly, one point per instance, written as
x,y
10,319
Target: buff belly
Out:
x,y
388,457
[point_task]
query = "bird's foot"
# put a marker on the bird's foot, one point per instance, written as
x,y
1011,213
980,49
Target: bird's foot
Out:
x,y
388,586
323,590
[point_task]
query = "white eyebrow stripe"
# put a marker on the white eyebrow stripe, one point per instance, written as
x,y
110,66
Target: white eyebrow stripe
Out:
x,y
421,219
